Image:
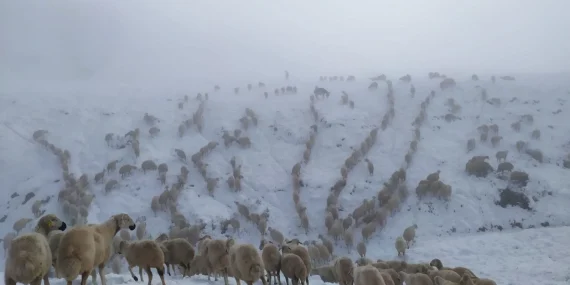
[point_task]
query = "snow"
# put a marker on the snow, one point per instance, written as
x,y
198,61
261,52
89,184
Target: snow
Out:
x,y
463,232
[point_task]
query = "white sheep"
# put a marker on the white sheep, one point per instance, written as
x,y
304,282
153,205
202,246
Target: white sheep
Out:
x,y
400,246
144,254
29,256
83,248
410,234
271,259
54,237
246,264
367,275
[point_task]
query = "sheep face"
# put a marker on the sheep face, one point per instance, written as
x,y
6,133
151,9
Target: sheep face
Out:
x,y
51,222
124,221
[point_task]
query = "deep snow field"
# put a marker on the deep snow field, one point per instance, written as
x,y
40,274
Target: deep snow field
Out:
x,y
509,245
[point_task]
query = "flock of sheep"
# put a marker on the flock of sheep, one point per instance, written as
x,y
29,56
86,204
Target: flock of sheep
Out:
x,y
213,257
83,249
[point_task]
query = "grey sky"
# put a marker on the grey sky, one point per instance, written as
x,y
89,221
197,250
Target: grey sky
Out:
x,y
177,41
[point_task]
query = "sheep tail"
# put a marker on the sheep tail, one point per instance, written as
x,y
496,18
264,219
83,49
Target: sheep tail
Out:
x,y
69,264
29,266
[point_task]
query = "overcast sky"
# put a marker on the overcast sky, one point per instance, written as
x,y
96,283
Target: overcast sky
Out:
x,y
176,41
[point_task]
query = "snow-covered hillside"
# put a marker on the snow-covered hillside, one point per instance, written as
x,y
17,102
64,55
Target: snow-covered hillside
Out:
x,y
456,231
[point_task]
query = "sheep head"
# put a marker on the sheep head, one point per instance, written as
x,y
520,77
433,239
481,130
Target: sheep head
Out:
x,y
123,221
49,223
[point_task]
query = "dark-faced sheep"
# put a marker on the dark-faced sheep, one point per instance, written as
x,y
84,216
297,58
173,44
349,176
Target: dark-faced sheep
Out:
x,y
29,256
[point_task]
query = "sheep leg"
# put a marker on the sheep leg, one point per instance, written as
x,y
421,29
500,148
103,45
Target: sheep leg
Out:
x,y
238,282
263,281
10,281
168,268
286,280
93,277
147,269
132,274
140,274
160,271
226,281
84,277
37,281
278,277
46,280
102,274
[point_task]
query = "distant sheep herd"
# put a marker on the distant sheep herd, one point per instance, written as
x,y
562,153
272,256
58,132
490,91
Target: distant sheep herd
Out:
x,y
82,250
83,247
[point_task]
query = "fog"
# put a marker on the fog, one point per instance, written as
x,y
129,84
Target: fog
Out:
x,y
176,42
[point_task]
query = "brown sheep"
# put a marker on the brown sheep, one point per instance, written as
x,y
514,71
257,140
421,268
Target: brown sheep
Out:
x,y
144,254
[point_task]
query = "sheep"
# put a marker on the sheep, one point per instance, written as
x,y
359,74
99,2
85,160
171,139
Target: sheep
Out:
x,y
54,237
459,270
126,170
154,131
535,134
36,208
148,165
410,234
99,176
292,267
502,155
344,267
82,248
505,166
111,166
367,275
445,274
327,273
401,246
470,145
244,142
302,252
29,256
217,254
271,259
7,240
110,185
246,264
276,235
415,278
144,254
141,230
361,249
370,166
178,251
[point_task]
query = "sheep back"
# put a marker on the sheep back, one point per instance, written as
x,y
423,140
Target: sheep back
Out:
x,y
293,267
245,263
29,258
144,253
367,275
